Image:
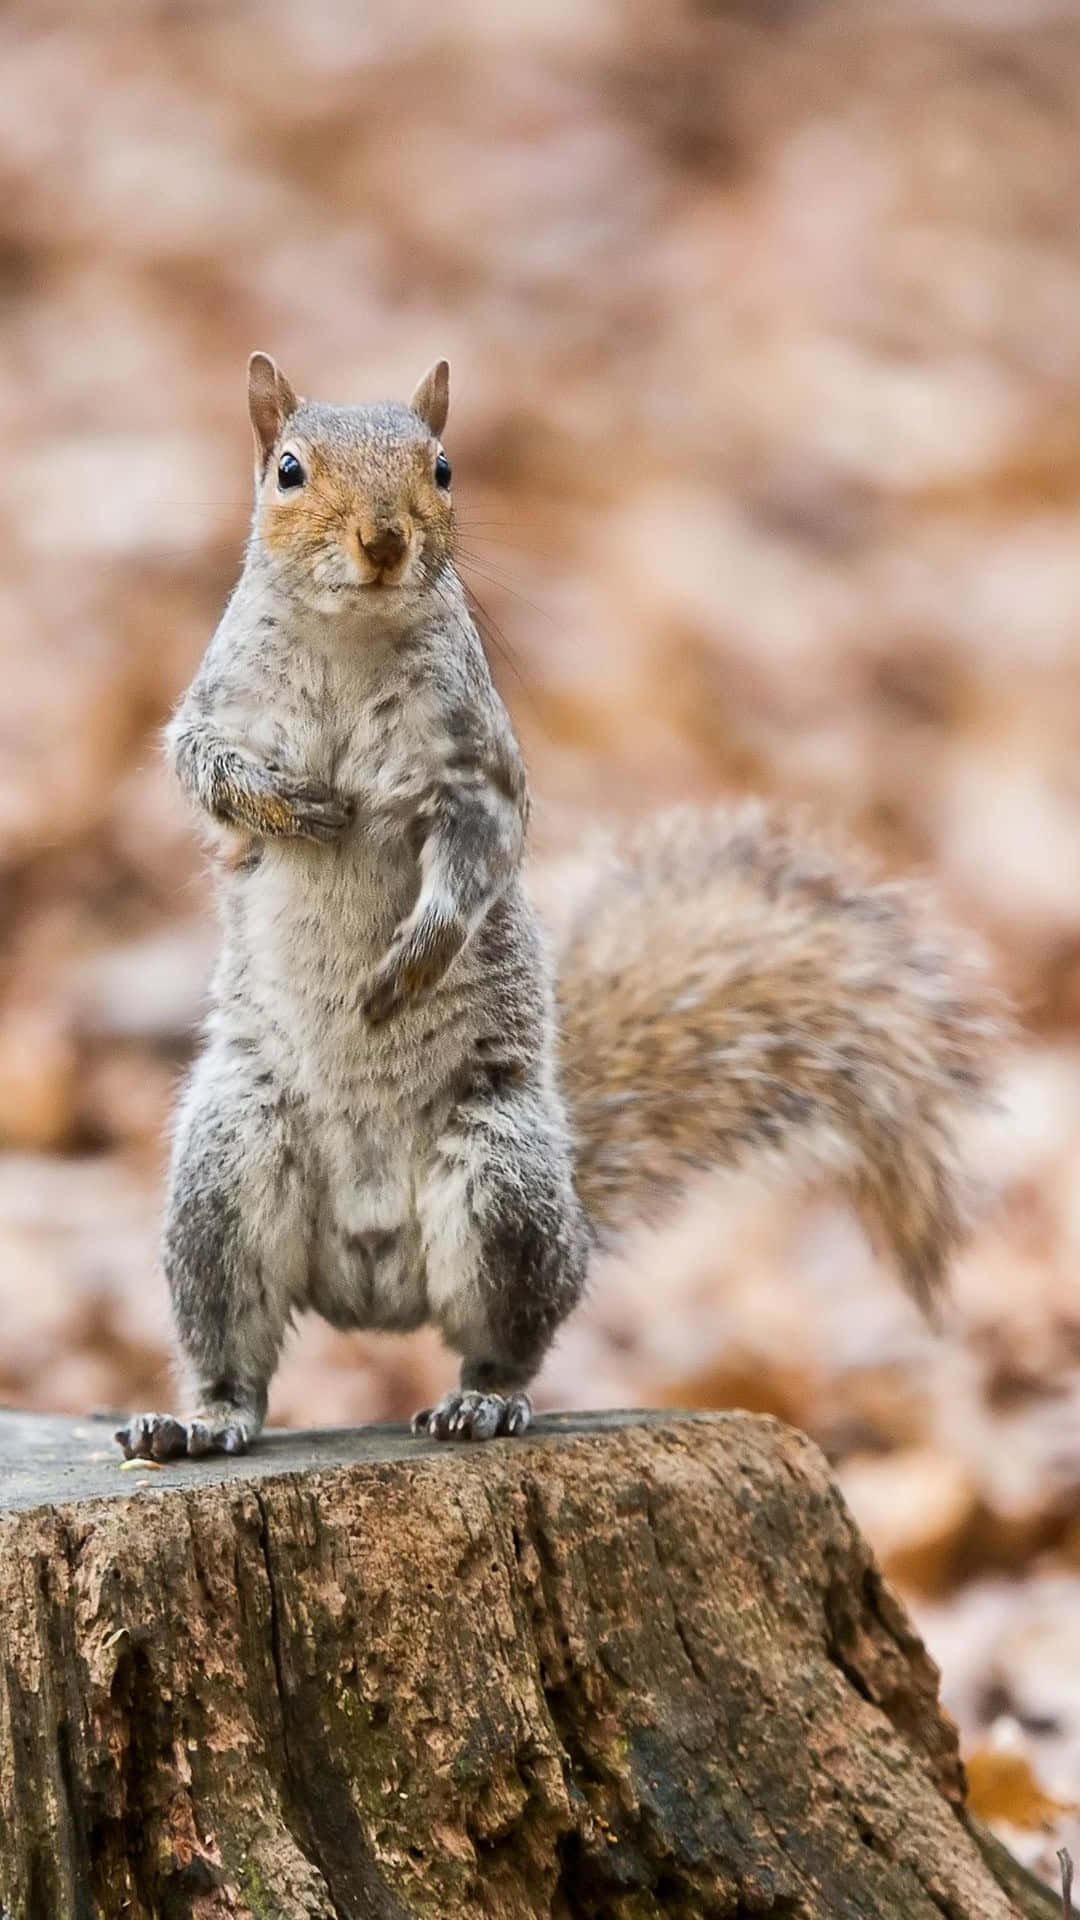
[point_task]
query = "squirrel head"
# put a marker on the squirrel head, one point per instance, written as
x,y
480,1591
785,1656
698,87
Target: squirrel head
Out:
x,y
352,504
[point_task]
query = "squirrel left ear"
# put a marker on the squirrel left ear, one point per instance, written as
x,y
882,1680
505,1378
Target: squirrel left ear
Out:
x,y
270,402
432,397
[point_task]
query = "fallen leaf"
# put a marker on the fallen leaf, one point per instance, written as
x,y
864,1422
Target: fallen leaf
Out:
x,y
1002,1785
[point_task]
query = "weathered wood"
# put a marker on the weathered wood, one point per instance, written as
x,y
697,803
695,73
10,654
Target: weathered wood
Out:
x,y
628,1667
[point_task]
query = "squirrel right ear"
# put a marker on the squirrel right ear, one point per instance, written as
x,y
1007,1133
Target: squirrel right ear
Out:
x,y
432,397
270,402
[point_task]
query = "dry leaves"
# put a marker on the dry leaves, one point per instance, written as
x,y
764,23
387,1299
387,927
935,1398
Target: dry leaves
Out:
x,y
767,428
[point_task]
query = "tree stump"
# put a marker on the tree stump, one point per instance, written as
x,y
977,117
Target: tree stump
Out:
x,y
630,1666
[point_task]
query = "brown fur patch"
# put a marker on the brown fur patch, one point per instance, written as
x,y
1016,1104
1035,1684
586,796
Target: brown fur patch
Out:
x,y
427,968
267,812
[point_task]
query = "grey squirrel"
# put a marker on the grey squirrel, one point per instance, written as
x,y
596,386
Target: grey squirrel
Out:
x,y
408,1106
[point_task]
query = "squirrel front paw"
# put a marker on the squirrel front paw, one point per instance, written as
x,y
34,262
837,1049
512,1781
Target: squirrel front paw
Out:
x,y
271,804
413,966
314,811
386,993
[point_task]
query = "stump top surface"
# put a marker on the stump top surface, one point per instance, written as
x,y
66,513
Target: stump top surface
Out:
x,y
57,1459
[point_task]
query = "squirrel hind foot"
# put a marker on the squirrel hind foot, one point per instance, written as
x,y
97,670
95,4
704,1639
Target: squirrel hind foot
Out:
x,y
160,1436
474,1416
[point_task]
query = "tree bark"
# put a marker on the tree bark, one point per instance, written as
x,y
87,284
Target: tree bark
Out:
x,y
631,1666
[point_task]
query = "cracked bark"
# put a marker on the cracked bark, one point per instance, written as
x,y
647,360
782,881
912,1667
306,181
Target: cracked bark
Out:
x,y
627,1668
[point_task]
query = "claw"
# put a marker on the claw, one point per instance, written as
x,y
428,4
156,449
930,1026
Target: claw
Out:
x,y
199,1439
167,1439
518,1413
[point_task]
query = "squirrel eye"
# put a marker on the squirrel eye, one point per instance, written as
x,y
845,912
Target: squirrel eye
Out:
x,y
443,470
289,471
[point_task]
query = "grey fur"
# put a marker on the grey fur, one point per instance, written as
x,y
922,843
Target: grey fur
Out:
x,y
373,1128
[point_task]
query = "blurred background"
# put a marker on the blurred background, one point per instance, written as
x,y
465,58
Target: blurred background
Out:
x,y
764,321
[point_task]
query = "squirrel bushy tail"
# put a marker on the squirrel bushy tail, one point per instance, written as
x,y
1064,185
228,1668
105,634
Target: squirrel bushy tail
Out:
x,y
729,991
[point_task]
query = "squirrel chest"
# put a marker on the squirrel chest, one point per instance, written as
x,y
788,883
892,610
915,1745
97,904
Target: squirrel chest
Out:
x,y
305,923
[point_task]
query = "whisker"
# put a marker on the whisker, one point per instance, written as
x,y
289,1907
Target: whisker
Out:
x,y
482,560
474,528
490,632
471,566
493,636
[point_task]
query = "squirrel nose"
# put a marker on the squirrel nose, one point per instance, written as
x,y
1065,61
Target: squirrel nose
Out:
x,y
386,548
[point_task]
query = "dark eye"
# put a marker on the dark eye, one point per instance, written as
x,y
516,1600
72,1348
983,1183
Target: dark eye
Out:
x,y
289,471
443,470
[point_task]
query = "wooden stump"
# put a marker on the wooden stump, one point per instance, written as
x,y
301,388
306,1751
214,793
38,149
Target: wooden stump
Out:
x,y
631,1666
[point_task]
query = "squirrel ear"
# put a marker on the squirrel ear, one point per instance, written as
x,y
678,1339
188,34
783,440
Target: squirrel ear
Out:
x,y
432,397
270,402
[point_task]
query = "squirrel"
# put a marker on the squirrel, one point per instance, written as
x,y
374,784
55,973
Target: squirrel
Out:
x,y
411,1105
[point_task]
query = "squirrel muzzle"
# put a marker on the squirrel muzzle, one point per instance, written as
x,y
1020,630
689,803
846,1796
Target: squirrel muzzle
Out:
x,y
387,551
